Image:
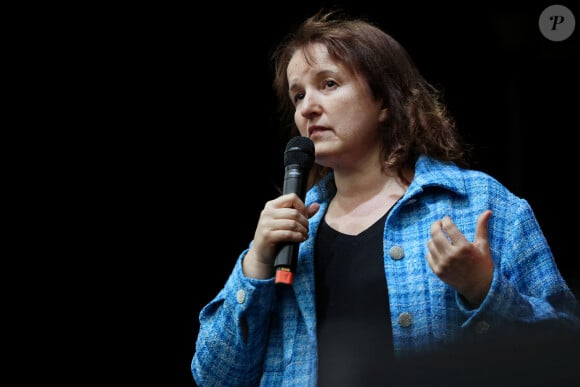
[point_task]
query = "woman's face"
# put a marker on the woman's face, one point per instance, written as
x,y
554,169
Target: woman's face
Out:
x,y
334,108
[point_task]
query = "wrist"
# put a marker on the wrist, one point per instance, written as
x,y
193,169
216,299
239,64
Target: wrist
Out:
x,y
254,268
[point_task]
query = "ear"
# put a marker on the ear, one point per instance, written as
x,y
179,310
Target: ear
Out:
x,y
383,114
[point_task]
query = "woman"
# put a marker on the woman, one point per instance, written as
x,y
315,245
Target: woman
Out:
x,y
403,250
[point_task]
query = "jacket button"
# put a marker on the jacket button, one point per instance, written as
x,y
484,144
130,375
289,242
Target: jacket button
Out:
x,y
241,296
405,319
481,327
396,252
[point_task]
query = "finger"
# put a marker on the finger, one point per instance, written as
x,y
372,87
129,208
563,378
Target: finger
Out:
x,y
281,230
295,202
439,236
290,200
289,215
433,257
454,235
290,228
432,251
481,228
312,209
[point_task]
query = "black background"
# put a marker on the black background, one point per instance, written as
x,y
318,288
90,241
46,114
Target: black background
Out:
x,y
191,151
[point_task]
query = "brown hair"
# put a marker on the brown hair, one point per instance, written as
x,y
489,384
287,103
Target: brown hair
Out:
x,y
418,121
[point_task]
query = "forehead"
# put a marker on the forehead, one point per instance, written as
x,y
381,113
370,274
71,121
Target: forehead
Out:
x,y
312,52
314,55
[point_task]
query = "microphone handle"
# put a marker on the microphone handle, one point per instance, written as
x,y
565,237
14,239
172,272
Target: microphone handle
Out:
x,y
287,255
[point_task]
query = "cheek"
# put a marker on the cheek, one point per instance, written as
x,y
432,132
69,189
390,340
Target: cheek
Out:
x,y
300,122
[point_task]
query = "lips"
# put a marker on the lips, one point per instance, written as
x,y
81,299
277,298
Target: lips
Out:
x,y
315,129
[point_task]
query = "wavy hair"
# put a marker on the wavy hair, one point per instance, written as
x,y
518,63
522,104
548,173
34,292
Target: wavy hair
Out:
x,y
418,121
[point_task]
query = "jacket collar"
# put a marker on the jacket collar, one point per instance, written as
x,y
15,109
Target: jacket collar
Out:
x,y
428,173
433,173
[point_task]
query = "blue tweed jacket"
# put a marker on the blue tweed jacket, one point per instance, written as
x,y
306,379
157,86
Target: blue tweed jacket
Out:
x,y
278,347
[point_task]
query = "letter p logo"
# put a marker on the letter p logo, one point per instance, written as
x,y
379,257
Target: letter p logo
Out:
x,y
556,23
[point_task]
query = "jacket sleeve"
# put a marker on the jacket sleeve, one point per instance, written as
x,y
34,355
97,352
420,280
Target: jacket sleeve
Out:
x,y
233,332
527,289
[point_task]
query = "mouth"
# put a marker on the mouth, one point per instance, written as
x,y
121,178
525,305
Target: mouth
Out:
x,y
314,129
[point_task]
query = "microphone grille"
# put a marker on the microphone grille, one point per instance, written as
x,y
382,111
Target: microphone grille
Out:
x,y
299,150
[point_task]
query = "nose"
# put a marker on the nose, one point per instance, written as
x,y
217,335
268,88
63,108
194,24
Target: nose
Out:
x,y
310,105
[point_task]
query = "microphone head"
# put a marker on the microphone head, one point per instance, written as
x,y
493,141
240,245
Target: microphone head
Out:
x,y
299,150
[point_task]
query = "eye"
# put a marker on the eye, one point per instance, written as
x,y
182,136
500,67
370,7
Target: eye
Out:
x,y
298,96
330,83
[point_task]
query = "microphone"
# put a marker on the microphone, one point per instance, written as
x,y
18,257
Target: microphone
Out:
x,y
298,159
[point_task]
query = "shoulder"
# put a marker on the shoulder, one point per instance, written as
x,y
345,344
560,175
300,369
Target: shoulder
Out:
x,y
432,172
475,186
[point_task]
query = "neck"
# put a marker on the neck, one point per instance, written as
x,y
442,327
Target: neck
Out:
x,y
356,189
360,202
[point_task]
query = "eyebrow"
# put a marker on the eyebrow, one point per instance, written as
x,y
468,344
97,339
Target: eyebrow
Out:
x,y
319,74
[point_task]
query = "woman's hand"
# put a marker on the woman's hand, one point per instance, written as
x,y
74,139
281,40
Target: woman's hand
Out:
x,y
284,219
465,266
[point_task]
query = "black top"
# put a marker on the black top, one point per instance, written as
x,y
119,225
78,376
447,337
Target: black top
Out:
x,y
355,344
